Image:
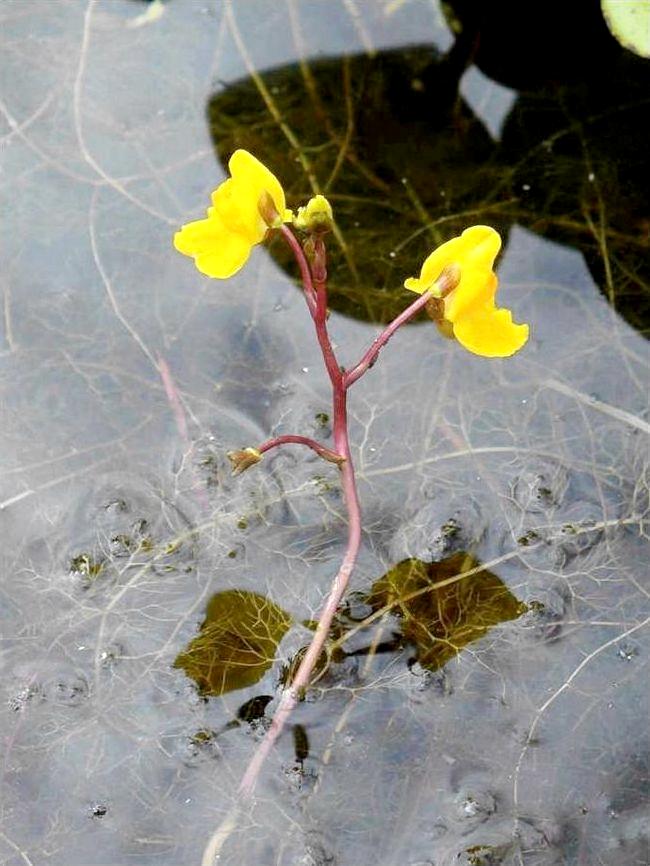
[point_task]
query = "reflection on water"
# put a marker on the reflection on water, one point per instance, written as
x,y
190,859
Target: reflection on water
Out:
x,y
408,163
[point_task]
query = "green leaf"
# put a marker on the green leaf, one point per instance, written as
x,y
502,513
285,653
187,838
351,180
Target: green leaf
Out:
x,y
441,611
236,644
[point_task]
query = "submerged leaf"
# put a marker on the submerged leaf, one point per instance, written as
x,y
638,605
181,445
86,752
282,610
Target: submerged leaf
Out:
x,y
440,610
236,643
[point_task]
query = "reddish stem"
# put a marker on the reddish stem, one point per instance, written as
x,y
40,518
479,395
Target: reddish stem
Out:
x,y
331,364
316,295
319,272
291,694
303,264
315,288
443,286
174,399
322,450
380,341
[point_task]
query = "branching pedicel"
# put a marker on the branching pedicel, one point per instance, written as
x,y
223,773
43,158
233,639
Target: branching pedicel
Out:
x,y
456,286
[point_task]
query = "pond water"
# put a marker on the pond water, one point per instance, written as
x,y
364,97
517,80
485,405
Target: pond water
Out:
x,y
151,605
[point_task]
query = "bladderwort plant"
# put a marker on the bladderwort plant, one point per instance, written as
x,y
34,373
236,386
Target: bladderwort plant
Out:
x,y
456,287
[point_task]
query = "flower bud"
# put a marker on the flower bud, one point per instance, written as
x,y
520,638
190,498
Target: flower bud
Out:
x,y
243,459
316,216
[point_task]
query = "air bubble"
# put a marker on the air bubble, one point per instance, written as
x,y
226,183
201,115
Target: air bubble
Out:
x,y
67,690
438,530
540,487
545,612
580,529
626,652
473,807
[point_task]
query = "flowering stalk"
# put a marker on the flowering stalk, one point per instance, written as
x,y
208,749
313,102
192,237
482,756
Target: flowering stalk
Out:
x,y
315,291
305,272
446,282
314,281
457,287
293,691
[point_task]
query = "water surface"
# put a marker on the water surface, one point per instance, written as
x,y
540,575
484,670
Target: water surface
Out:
x,y
525,743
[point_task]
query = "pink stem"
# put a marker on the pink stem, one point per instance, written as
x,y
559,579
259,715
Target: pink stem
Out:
x,y
317,303
303,264
291,694
321,450
379,342
314,281
320,282
440,289
331,364
174,399
181,425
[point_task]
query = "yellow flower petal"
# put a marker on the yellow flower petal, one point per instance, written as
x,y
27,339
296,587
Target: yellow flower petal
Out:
x,y
414,284
490,332
237,199
435,264
475,290
238,206
474,252
217,251
198,236
469,308
232,255
253,178
480,246
221,244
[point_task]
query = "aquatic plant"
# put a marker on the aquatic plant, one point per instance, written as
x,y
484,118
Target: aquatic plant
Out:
x,y
456,286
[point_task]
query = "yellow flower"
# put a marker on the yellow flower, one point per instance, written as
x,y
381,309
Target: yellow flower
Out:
x,y
469,309
243,208
315,216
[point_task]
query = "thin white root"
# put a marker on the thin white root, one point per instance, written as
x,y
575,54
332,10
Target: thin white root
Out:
x,y
219,837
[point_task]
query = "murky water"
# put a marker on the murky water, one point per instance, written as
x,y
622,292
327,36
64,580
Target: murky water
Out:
x,y
498,722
